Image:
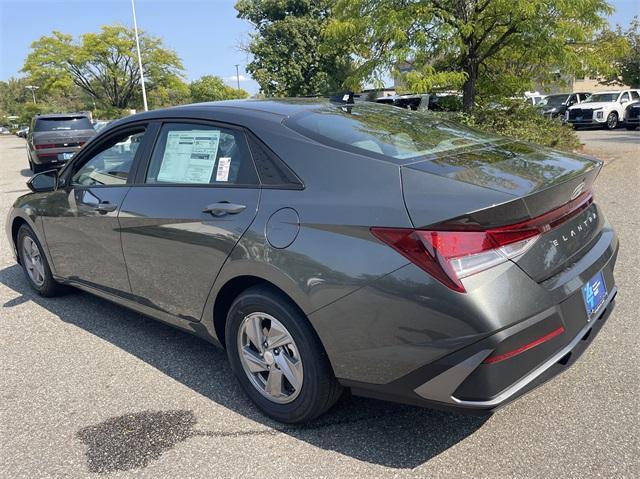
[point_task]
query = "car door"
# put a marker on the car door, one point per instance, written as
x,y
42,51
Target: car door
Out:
x,y
81,225
196,197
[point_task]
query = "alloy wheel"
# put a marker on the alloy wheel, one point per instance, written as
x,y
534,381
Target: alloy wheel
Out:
x,y
33,261
270,357
612,121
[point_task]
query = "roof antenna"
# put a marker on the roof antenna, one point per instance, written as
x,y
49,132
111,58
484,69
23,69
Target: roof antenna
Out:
x,y
346,98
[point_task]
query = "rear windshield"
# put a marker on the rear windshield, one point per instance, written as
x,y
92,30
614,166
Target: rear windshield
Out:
x,y
380,130
63,123
553,100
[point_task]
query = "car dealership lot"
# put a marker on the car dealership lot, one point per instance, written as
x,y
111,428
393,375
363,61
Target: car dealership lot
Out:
x,y
88,387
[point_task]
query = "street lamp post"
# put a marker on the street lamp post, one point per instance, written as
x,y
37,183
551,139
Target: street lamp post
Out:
x,y
33,89
237,77
135,29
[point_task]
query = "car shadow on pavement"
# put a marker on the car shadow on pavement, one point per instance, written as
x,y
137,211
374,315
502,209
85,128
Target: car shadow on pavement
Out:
x,y
377,432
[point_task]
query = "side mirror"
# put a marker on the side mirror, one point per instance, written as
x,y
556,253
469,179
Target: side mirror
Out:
x,y
624,100
43,182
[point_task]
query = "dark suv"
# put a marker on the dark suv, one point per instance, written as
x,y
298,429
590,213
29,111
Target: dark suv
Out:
x,y
54,138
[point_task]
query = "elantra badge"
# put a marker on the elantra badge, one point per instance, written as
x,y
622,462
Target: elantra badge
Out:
x,y
577,191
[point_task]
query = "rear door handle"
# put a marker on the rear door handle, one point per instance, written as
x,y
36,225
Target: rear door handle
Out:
x,y
105,207
224,208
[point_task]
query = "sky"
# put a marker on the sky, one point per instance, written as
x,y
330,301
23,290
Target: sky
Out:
x,y
205,33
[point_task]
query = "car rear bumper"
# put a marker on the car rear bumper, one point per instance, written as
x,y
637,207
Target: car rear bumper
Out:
x,y
463,380
53,157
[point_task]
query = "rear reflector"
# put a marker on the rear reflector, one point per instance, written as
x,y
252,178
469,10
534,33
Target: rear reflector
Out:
x,y
501,357
456,251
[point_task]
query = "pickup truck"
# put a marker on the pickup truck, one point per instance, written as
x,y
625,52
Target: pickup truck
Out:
x,y
603,109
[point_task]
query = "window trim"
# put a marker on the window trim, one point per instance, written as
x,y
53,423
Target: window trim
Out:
x,y
95,147
143,169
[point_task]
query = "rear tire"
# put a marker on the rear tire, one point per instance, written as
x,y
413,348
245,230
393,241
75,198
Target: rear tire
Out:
x,y
267,315
34,263
612,121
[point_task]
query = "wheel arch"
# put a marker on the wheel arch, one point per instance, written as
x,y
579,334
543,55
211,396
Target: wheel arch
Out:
x,y
230,290
17,222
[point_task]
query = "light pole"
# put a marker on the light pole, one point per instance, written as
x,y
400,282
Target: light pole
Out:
x,y
33,89
135,29
237,77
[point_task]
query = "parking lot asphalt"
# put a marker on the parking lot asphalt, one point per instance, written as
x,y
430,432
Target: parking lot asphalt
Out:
x,y
89,389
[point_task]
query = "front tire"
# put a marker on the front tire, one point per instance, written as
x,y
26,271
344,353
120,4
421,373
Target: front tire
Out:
x,y
34,263
612,121
278,358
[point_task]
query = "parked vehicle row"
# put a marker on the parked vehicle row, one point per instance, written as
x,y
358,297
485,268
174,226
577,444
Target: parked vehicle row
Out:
x,y
556,105
607,109
328,246
603,109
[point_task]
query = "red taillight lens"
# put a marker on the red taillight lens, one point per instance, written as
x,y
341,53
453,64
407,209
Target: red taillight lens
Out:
x,y
44,146
451,255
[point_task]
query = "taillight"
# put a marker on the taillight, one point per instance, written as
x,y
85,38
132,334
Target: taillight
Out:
x,y
44,146
449,255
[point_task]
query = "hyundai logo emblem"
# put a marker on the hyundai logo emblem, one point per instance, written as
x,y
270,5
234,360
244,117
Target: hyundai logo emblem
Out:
x,y
577,191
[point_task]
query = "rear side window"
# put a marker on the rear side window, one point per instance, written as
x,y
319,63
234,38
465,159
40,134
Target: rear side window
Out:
x,y
62,124
273,172
187,153
635,95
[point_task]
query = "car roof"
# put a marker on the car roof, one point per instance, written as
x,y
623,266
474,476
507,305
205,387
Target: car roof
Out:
x,y
283,107
268,110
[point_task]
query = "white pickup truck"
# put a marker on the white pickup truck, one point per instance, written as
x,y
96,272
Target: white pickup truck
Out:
x,y
604,108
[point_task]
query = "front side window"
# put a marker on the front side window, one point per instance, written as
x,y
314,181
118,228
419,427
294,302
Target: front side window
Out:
x,y
192,154
624,97
112,164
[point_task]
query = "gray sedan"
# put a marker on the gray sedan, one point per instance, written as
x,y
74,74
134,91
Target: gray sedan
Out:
x,y
331,246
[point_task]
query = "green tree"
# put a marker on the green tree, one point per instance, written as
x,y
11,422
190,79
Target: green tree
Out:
x,y
455,43
289,57
626,58
213,88
103,65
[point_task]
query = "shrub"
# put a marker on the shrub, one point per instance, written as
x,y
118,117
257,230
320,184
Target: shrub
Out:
x,y
521,121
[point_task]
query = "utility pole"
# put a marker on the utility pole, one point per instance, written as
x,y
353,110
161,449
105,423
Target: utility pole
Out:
x,y
33,91
237,76
135,28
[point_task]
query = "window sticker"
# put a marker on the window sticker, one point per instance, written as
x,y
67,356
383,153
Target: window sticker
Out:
x,y
189,156
222,173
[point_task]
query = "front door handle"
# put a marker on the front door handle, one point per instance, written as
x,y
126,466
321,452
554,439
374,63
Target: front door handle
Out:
x,y
105,207
224,208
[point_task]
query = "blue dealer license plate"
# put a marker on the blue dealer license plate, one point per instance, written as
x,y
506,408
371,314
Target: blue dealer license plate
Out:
x,y
594,293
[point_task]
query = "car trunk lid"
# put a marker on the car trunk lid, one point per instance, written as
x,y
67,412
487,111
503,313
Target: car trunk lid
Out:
x,y
509,183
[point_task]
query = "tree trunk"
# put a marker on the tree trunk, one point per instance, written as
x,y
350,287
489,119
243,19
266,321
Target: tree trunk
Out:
x,y
469,88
